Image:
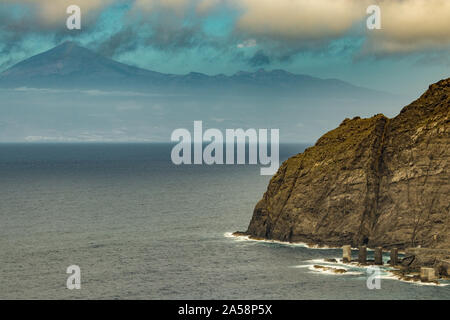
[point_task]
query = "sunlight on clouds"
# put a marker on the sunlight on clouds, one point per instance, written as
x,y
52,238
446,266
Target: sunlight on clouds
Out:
x,y
54,11
411,25
299,19
408,26
204,6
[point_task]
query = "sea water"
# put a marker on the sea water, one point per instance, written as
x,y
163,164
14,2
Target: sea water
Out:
x,y
140,227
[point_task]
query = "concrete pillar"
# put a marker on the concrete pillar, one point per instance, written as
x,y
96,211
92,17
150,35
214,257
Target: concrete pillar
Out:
x,y
394,256
362,255
378,255
346,253
427,274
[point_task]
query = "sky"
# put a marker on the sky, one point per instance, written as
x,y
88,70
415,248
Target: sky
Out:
x,y
324,38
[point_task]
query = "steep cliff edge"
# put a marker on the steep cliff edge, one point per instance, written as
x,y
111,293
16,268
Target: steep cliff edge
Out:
x,y
377,181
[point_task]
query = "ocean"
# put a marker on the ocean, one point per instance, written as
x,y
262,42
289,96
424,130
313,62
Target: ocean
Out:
x,y
140,227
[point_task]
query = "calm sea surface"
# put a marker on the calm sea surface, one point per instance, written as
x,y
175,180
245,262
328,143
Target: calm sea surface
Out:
x,y
140,227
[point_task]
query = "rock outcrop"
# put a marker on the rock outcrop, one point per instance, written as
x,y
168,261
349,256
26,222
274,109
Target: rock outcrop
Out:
x,y
377,181
439,259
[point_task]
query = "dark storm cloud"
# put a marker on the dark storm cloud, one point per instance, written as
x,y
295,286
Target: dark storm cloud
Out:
x,y
122,41
259,59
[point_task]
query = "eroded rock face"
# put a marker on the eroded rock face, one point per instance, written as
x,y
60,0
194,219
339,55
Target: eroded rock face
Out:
x,y
377,181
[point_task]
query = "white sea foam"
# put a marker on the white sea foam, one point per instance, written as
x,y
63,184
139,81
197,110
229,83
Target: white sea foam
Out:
x,y
301,266
285,243
386,272
357,269
322,261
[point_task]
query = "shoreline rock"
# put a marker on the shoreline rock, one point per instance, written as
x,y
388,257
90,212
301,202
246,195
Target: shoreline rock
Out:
x,y
401,270
377,182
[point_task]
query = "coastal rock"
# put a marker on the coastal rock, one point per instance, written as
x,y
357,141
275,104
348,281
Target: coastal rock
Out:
x,y
443,268
376,182
334,270
426,257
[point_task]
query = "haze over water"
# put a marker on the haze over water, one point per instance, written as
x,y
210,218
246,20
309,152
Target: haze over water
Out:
x,y
140,227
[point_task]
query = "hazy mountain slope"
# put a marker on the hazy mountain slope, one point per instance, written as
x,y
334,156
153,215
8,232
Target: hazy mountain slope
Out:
x,y
71,66
70,93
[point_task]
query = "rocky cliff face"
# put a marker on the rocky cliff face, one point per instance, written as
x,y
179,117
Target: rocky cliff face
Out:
x,y
377,181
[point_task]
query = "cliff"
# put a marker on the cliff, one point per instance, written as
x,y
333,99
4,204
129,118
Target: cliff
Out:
x,y
377,181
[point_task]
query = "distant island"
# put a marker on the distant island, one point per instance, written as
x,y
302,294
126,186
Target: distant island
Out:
x,y
377,182
70,78
70,65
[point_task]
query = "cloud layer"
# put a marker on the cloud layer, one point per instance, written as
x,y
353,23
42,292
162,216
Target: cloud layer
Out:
x,y
299,19
256,31
51,12
410,26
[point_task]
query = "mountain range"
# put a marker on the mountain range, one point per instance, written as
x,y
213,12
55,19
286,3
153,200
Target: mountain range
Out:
x,y
70,93
72,66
